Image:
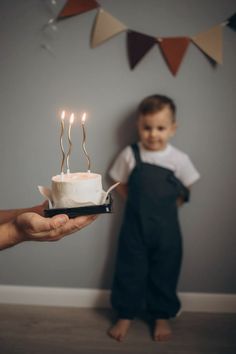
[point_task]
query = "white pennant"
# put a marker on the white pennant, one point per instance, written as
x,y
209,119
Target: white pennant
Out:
x,y
210,42
106,26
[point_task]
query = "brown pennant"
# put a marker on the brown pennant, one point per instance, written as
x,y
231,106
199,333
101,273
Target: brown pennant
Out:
x,y
77,7
138,45
173,50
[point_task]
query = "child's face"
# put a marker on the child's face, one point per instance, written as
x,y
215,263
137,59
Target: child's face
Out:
x,y
156,129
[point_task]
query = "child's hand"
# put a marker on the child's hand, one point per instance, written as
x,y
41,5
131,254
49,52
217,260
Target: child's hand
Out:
x,y
180,201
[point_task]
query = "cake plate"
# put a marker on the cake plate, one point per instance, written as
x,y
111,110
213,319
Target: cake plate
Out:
x,y
83,210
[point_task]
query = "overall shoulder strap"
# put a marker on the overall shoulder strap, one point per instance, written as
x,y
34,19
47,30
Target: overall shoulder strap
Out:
x,y
136,153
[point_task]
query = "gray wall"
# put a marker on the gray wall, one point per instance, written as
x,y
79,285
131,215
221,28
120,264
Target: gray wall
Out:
x,y
36,84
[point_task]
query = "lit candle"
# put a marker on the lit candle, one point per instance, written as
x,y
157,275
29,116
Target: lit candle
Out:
x,y
63,113
84,139
72,117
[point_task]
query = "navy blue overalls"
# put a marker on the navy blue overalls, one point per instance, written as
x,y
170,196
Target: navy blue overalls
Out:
x,y
150,244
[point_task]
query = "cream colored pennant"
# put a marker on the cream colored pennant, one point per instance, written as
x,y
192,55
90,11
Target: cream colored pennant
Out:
x,y
210,42
105,27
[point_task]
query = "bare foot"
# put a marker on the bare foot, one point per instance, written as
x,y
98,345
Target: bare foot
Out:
x,y
120,329
162,330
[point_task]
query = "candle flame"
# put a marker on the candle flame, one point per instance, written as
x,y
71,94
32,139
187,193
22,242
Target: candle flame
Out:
x,y
72,117
83,119
63,114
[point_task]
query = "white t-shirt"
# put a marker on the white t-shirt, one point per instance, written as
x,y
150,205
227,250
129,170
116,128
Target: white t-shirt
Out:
x,y
171,158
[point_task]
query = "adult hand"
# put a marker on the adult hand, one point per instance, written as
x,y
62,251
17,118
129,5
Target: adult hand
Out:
x,y
30,225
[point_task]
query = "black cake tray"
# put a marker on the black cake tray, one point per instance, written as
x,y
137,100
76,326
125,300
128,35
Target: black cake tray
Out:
x,y
84,210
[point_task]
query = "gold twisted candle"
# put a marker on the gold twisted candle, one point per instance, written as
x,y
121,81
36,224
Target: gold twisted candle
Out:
x,y
63,113
72,116
84,140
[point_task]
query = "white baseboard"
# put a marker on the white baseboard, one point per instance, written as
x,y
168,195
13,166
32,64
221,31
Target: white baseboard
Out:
x,y
95,298
47,296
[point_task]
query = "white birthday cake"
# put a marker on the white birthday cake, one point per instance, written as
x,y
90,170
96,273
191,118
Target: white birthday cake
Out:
x,y
78,189
75,190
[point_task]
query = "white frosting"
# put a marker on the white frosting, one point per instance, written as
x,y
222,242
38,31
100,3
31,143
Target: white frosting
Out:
x,y
76,189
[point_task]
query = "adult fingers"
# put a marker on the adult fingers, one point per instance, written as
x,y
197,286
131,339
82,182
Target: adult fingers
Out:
x,y
74,225
35,223
39,209
66,229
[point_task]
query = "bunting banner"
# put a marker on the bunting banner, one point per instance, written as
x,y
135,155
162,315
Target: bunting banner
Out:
x,y
231,22
138,45
173,49
210,42
77,7
105,27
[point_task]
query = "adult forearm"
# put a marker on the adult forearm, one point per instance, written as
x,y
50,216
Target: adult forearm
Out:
x,y
9,215
9,235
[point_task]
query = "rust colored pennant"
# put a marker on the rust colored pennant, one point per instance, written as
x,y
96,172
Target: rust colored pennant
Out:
x,y
210,42
231,22
173,50
138,45
77,7
105,27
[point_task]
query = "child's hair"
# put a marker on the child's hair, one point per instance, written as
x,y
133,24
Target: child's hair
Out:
x,y
156,103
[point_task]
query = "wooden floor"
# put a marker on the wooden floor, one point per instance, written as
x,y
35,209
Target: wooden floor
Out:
x,y
51,330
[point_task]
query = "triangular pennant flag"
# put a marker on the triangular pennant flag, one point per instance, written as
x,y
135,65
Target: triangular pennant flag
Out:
x,y
77,7
210,42
231,22
138,45
105,27
173,50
